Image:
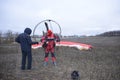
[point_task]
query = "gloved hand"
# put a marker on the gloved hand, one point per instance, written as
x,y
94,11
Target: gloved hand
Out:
x,y
58,40
37,43
44,45
34,43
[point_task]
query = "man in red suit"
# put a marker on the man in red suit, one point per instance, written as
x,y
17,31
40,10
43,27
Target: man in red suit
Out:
x,y
49,45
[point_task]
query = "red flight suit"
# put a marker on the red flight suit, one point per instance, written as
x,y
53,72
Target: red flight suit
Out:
x,y
49,45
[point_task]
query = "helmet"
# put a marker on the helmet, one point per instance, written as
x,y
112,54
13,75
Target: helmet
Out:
x,y
49,32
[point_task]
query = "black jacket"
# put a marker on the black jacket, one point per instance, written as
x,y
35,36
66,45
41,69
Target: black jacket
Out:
x,y
25,40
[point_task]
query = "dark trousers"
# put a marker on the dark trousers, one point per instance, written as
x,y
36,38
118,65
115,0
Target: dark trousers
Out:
x,y
26,56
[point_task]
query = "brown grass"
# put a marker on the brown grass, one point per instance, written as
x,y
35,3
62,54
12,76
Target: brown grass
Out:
x,y
100,63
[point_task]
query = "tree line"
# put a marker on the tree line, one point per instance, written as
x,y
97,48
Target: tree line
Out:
x,y
110,33
8,36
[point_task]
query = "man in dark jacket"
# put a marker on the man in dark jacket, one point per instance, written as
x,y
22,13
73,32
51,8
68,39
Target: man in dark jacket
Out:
x,y
25,41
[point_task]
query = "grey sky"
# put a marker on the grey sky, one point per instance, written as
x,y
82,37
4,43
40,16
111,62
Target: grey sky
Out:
x,y
80,17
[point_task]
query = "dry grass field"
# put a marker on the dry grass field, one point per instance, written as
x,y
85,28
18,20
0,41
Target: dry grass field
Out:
x,y
100,63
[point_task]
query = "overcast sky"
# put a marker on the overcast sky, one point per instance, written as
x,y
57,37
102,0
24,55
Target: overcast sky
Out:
x,y
76,17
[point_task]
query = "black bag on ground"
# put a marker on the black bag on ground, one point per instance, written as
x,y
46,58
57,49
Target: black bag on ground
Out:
x,y
75,75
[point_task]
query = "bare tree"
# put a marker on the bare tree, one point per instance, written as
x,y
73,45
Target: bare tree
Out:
x,y
9,36
15,35
0,37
